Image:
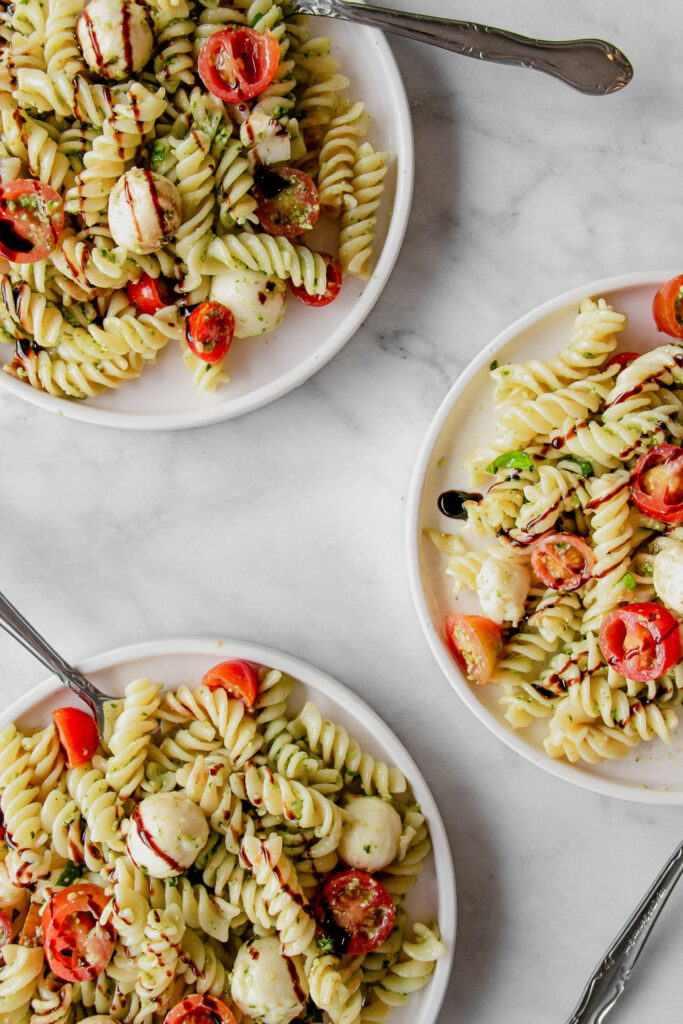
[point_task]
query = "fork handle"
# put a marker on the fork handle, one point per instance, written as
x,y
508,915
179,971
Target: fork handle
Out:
x,y
590,65
14,623
609,979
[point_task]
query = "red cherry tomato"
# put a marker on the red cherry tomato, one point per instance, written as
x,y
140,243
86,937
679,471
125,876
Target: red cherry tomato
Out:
x,y
287,200
622,359
356,911
31,220
209,331
77,946
334,283
150,294
657,483
476,643
667,307
5,928
237,64
239,678
199,1010
563,561
32,929
641,641
78,734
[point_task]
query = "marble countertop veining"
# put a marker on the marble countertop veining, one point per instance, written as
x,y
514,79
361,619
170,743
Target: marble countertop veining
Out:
x,y
286,526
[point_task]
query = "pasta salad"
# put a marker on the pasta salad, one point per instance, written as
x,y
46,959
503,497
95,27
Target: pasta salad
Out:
x,y
577,507
162,166
214,857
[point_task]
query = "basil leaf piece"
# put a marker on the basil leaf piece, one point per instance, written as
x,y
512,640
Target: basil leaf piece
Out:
x,y
510,460
70,873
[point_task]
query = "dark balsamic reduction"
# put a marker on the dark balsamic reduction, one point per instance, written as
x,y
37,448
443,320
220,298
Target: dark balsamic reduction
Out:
x,y
270,183
11,239
452,503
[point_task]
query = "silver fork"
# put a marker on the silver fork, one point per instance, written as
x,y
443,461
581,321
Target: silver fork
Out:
x,y
17,626
589,65
609,978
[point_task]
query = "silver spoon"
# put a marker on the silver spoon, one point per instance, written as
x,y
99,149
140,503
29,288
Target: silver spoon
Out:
x,y
609,978
16,625
589,65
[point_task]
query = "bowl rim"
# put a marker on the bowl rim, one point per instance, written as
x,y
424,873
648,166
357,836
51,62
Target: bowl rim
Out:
x,y
338,693
560,769
404,157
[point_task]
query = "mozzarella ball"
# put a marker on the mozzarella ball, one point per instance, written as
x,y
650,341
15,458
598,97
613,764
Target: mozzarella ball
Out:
x,y
668,577
371,833
145,211
502,588
267,985
116,37
256,301
166,835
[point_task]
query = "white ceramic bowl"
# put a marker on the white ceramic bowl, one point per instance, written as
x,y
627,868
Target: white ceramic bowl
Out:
x,y
654,772
185,660
264,369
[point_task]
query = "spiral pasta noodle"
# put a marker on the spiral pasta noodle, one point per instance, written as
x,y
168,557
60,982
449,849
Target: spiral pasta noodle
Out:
x,y
559,477
191,852
103,101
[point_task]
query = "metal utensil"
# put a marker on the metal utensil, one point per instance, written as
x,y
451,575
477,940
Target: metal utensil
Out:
x,y
609,978
17,626
589,65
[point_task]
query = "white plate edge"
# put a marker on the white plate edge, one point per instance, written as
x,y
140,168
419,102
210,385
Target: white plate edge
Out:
x,y
564,771
316,678
405,161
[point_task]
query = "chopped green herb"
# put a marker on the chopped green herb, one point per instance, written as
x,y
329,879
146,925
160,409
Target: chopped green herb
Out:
x,y
325,944
584,465
510,460
628,580
494,365
70,873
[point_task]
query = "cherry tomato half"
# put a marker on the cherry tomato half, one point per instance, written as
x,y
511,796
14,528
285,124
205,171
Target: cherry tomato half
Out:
x,y
77,946
476,643
356,910
657,483
334,283
5,929
32,929
199,1010
641,641
150,294
622,359
78,734
237,64
287,200
563,561
209,331
239,678
667,307
31,220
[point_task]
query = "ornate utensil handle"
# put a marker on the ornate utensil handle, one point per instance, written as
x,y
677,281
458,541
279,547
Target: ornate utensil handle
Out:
x,y
18,627
610,976
590,65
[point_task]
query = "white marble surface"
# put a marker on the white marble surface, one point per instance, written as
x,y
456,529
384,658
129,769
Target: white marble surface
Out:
x,y
286,527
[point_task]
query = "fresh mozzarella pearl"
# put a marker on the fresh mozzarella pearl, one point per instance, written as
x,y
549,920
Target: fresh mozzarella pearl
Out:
x,y
116,37
266,985
257,302
265,139
144,211
502,589
371,833
167,833
668,576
